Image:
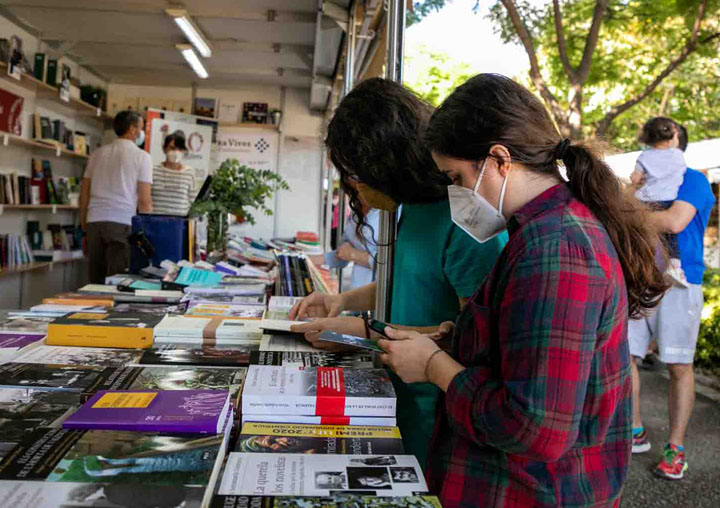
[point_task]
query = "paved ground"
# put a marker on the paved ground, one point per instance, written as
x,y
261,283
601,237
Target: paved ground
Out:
x,y
701,486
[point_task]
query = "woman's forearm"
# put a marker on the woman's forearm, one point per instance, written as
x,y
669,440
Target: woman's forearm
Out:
x,y
362,298
442,369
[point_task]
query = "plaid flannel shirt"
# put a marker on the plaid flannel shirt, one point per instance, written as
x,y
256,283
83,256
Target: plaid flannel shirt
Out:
x,y
542,414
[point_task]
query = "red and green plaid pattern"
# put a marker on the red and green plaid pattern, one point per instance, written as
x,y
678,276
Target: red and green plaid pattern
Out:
x,y
542,415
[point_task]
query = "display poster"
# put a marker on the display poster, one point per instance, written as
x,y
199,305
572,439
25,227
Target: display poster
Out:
x,y
198,139
258,149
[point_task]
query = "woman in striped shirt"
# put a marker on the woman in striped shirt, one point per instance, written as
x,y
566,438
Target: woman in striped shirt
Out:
x,y
173,187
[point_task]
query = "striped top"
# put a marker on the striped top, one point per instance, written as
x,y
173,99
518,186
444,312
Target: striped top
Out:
x,y
172,190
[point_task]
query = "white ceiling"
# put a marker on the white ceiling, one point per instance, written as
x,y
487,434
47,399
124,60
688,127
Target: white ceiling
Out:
x,y
275,42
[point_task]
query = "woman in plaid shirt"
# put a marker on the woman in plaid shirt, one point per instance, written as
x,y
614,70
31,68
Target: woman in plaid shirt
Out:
x,y
537,402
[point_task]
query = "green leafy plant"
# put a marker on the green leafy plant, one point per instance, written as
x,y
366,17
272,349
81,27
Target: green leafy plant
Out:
x,y
235,189
707,354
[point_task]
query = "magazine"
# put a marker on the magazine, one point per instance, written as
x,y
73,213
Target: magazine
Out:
x,y
321,475
321,439
318,391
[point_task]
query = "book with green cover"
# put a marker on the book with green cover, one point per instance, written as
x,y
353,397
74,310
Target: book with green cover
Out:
x,y
52,72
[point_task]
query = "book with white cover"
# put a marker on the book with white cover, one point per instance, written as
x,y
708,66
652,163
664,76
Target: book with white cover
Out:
x,y
226,309
66,309
322,420
279,325
286,343
216,327
286,474
238,290
318,391
283,302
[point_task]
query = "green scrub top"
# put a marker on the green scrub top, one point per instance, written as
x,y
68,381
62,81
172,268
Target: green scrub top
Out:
x,y
436,263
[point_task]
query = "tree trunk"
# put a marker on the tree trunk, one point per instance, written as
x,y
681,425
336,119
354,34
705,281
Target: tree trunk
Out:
x,y
575,101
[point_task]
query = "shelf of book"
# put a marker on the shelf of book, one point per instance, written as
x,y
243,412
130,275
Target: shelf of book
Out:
x,y
10,139
51,208
250,125
48,91
37,265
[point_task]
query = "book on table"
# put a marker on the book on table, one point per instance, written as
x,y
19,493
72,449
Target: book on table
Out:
x,y
288,474
203,356
71,355
370,421
215,330
293,342
171,411
113,329
256,437
312,359
74,378
318,391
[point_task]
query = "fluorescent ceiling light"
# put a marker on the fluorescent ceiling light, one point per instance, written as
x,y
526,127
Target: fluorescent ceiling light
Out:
x,y
193,60
183,20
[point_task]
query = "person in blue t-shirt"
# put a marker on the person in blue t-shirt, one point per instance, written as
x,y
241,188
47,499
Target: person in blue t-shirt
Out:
x,y
675,323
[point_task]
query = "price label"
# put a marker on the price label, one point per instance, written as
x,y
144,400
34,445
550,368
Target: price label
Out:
x,y
98,112
6,140
58,151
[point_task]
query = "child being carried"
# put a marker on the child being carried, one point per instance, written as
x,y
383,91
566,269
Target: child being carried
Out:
x,y
659,172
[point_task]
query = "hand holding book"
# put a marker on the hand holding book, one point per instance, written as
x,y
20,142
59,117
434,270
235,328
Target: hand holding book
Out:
x,y
343,325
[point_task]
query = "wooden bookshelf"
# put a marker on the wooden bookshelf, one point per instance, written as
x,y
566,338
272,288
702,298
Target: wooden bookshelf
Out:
x,y
44,90
39,207
35,266
251,125
60,151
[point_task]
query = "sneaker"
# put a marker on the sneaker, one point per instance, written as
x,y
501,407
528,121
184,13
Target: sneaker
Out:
x,y
641,443
676,274
673,465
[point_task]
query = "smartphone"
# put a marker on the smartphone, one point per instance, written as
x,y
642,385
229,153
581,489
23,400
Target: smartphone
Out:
x,y
378,326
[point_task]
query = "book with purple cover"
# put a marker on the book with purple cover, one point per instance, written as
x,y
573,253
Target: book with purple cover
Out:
x,y
178,411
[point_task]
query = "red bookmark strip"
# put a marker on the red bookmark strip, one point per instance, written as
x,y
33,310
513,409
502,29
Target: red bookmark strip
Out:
x,y
330,399
334,420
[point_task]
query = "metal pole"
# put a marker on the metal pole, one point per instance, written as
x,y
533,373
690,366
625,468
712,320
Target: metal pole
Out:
x,y
388,220
348,76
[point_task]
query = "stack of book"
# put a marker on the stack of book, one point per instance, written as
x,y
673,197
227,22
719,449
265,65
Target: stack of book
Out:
x,y
15,252
175,392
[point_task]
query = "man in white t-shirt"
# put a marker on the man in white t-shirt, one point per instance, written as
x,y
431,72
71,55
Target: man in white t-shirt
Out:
x,y
116,185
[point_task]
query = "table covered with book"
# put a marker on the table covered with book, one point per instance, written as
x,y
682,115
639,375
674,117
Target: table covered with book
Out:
x,y
180,386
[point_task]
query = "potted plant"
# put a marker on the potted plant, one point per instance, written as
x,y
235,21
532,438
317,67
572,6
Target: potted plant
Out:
x,y
235,189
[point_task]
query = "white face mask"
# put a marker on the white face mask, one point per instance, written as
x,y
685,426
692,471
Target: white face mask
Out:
x,y
174,156
140,139
474,214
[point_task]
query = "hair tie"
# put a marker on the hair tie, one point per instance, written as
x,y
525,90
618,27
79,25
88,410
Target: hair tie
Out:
x,y
561,149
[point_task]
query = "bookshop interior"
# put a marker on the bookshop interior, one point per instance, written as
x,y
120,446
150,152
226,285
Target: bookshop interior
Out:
x,y
230,273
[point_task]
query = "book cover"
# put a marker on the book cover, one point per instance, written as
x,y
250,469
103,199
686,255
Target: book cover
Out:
x,y
94,456
346,500
123,330
216,327
19,340
351,340
69,355
73,378
321,475
150,308
314,359
25,410
319,439
229,310
259,300
34,494
171,411
177,378
52,72
195,277
140,296
206,356
79,300
25,325
11,107
278,325
234,290
289,342
318,391
320,420
283,302
39,67
98,289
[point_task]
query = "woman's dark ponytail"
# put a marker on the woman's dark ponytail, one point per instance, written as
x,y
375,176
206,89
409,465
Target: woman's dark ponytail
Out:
x,y
490,109
625,220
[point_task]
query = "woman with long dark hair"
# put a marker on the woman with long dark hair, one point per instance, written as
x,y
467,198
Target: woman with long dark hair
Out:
x,y
537,384
375,140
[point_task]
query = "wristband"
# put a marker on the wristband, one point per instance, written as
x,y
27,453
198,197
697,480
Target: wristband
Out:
x,y
427,364
367,325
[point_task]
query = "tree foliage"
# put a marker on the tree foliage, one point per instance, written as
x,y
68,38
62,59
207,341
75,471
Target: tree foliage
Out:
x,y
421,9
433,75
604,66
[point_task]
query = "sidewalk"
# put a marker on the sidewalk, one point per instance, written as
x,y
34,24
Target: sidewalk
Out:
x,y
701,486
